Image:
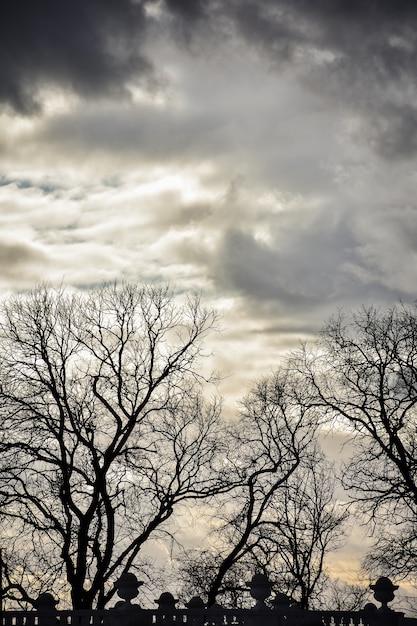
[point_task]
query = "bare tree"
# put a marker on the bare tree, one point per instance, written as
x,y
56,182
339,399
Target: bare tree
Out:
x,y
198,568
342,596
269,444
103,430
306,525
302,524
364,374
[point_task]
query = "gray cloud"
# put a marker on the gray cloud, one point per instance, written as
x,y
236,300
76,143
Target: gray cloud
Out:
x,y
92,48
147,133
302,267
17,257
382,34
138,188
352,28
392,131
361,55
253,268
189,10
314,260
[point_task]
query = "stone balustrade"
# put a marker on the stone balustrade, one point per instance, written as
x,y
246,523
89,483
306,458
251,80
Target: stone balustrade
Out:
x,y
279,611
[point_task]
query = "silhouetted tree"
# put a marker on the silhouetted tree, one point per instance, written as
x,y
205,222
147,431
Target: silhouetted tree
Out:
x,y
103,431
339,595
301,524
268,442
281,517
364,375
306,525
200,566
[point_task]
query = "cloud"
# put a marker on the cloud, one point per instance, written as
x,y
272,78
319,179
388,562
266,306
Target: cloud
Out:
x,y
359,55
190,10
92,48
324,31
142,188
301,267
20,258
392,131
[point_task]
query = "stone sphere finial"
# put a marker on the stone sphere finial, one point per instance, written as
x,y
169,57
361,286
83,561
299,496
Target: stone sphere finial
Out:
x,y
195,603
127,586
46,602
260,590
281,601
384,592
166,602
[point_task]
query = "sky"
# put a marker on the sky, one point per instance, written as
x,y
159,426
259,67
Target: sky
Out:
x,y
260,152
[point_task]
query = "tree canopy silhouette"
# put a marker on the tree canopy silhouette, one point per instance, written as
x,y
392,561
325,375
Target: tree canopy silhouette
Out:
x,y
364,376
103,431
282,519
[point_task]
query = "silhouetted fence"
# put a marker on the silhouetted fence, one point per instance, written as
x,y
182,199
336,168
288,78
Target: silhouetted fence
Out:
x,y
280,611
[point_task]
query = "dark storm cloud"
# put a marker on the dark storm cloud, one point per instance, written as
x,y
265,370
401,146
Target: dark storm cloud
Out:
x,y
89,46
373,41
190,10
351,27
360,53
